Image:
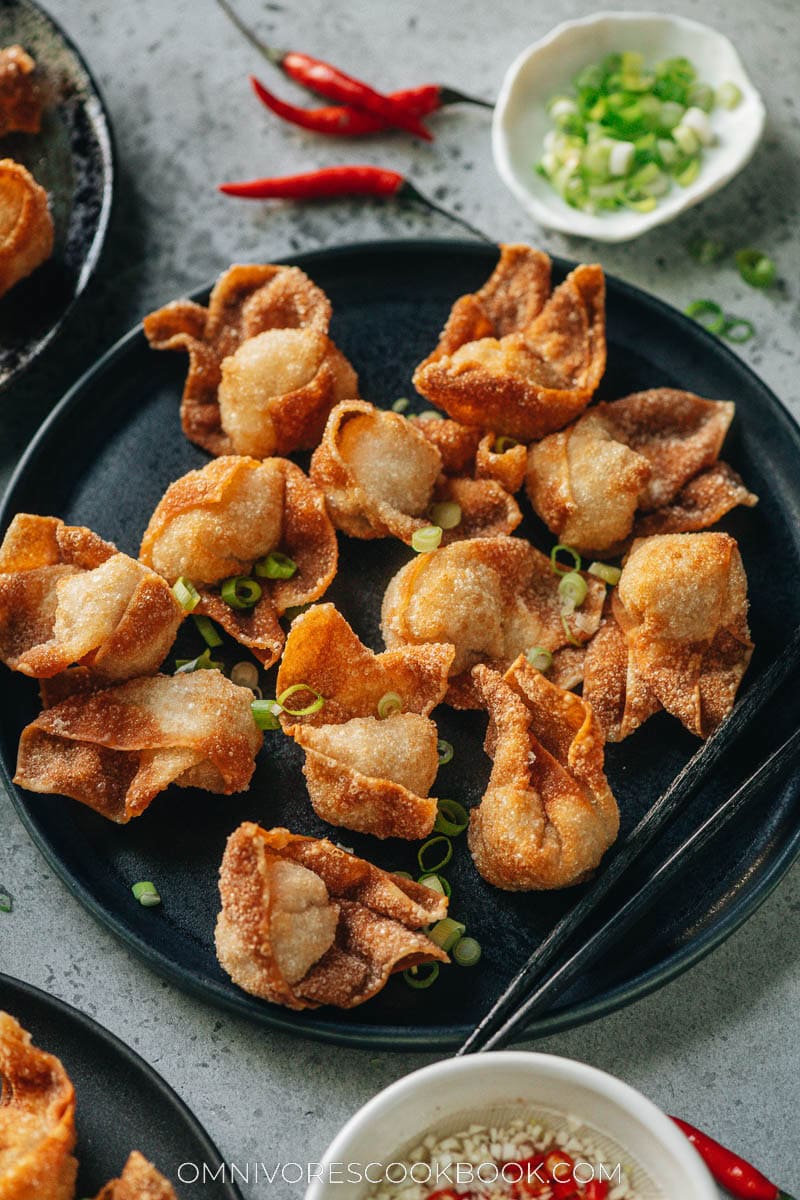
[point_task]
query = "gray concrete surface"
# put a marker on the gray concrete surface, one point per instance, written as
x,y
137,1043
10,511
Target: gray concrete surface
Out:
x,y
720,1045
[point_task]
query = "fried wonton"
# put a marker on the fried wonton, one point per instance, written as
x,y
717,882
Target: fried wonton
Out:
x,y
676,636
365,772
26,226
304,923
653,453
67,596
515,358
139,1181
216,523
492,599
548,815
37,1120
381,475
468,451
263,373
21,100
115,750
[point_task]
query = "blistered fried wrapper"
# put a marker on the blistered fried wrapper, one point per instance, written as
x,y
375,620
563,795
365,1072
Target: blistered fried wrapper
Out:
x,y
37,1120
381,475
675,636
115,750
492,599
21,99
26,226
514,357
642,465
263,373
68,597
548,814
364,772
215,523
139,1181
471,453
304,923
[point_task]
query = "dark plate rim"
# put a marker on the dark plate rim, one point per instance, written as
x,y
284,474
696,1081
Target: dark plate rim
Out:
x,y
95,1031
101,123
400,1037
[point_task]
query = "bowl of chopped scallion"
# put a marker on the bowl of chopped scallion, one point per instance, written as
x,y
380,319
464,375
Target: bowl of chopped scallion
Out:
x,y
617,123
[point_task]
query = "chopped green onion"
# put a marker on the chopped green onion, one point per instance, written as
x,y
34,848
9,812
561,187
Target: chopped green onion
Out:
x,y
185,593
436,883
389,704
446,933
689,173
447,514
207,631
738,330
447,854
558,569
265,714
203,662
467,952
539,658
294,610
241,592
6,901
503,443
430,414
146,893
445,751
705,250
415,980
728,95
426,539
756,268
573,641
276,566
309,709
451,819
401,404
699,310
608,574
245,674
573,590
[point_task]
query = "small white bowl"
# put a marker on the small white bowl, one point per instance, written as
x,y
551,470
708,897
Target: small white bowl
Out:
x,y
448,1096
548,67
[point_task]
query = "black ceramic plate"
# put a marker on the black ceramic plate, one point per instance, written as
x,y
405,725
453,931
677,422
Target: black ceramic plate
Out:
x,y
121,1103
72,158
104,458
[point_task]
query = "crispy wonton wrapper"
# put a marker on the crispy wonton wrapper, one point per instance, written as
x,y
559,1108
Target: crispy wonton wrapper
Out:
x,y
468,451
67,596
380,476
21,100
513,359
548,814
139,1181
37,1120
492,599
304,923
676,637
115,750
26,226
263,373
641,454
363,772
217,522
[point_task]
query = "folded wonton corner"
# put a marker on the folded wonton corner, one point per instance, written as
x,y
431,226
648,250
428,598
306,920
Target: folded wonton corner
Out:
x,y
26,226
139,1181
548,814
263,373
304,923
515,358
365,772
472,453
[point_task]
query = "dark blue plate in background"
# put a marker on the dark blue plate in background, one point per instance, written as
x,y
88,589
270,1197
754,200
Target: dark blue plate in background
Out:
x,y
103,459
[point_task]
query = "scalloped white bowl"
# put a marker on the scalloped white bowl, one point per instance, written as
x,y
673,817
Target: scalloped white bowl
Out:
x,y
548,66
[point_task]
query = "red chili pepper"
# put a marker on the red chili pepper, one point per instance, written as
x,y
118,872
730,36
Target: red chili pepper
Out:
x,y
740,1178
448,1194
532,1180
596,1190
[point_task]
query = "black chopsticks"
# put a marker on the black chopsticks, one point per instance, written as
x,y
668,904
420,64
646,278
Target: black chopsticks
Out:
x,y
522,997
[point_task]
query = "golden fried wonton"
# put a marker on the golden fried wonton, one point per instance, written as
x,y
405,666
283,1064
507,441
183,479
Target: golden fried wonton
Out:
x,y
26,226
381,475
21,101
468,451
548,814
304,923
263,373
640,454
139,1181
37,1120
676,636
217,522
365,772
514,359
492,599
115,750
66,597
